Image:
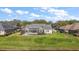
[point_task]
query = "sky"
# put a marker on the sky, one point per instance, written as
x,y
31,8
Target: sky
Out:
x,y
31,13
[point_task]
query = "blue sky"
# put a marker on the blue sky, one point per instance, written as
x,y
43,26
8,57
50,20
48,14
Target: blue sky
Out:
x,y
48,13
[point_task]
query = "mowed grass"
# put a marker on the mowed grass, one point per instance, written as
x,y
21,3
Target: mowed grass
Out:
x,y
55,41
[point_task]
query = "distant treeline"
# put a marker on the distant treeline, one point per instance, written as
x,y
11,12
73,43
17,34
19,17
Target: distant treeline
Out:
x,y
41,21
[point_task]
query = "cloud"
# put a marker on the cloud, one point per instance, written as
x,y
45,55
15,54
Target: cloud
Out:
x,y
48,17
58,12
54,11
60,18
20,12
45,8
74,17
26,12
61,14
54,18
6,10
35,15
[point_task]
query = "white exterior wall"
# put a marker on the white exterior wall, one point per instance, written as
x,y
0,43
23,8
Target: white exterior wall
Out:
x,y
48,31
54,30
2,33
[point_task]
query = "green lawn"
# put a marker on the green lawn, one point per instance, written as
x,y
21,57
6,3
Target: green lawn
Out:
x,y
55,41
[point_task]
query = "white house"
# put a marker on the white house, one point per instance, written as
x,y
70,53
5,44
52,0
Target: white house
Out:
x,y
6,28
37,29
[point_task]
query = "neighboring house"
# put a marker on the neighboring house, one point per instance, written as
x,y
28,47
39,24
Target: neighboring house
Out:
x,y
72,29
65,28
37,29
6,28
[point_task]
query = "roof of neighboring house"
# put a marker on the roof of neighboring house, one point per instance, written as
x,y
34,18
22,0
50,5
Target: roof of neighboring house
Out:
x,y
67,27
6,26
44,26
74,26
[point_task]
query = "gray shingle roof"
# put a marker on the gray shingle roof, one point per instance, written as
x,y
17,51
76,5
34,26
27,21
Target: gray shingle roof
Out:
x,y
44,26
6,26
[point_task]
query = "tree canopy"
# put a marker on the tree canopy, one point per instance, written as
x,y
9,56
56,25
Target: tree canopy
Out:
x,y
41,21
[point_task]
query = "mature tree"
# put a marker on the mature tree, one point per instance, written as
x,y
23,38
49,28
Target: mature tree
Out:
x,y
40,21
50,22
24,23
63,23
66,22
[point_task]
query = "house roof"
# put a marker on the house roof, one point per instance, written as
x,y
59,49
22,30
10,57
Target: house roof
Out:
x,y
67,27
6,26
74,26
44,26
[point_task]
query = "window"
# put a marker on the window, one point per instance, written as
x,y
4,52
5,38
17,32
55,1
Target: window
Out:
x,y
33,30
47,30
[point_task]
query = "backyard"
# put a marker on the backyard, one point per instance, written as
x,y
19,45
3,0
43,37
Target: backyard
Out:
x,y
55,41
